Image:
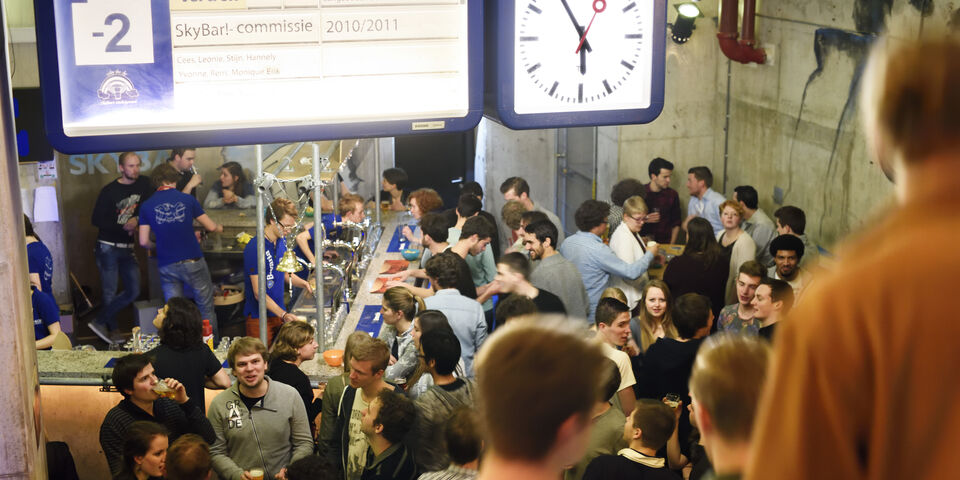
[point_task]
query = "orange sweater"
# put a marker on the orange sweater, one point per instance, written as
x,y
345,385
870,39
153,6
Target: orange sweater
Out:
x,y
865,381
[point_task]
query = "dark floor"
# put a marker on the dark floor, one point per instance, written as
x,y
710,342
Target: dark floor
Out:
x,y
82,335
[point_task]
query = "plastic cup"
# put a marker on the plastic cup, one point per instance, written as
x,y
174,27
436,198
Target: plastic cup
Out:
x,y
256,474
163,390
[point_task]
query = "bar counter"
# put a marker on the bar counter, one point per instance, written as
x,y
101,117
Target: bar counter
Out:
x,y
74,401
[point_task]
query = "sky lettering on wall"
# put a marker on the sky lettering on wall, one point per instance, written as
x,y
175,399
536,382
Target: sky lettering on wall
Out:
x,y
100,163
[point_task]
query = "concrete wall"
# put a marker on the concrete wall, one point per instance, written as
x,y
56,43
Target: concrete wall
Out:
x,y
793,122
506,153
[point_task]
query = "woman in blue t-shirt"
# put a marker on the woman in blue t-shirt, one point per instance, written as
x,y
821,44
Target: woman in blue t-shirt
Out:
x,y
232,190
46,318
39,260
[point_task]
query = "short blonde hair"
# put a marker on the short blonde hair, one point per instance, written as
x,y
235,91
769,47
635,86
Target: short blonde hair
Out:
x,y
734,205
354,339
635,205
614,292
375,351
281,207
540,360
348,203
245,346
727,378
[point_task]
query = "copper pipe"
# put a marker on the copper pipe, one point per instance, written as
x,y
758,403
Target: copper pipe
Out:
x,y
744,50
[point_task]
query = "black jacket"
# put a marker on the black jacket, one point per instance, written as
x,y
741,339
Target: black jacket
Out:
x,y
337,453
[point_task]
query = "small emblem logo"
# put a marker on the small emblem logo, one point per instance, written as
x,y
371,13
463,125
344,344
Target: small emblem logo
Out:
x,y
117,88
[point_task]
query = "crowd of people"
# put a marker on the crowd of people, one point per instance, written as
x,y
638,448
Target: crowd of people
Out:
x,y
579,356
407,402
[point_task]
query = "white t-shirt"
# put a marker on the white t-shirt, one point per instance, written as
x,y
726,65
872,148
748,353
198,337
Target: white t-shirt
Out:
x,y
357,449
622,360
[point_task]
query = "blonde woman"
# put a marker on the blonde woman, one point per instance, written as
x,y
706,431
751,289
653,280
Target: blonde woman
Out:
x,y
400,306
629,247
654,320
294,344
736,243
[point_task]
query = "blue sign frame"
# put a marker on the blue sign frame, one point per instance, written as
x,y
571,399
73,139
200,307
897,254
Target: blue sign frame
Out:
x,y
49,66
500,78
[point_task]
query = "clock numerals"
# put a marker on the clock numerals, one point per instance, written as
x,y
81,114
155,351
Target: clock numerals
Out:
x,y
557,65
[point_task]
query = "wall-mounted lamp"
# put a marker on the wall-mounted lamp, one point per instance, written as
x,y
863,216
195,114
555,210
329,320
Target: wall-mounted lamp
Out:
x,y
683,26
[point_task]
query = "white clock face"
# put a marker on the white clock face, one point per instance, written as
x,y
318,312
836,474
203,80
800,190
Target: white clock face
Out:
x,y
610,70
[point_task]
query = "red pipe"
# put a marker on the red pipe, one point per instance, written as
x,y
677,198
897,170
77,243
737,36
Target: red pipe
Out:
x,y
743,51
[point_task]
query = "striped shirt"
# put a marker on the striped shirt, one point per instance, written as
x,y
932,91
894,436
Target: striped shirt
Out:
x,y
452,472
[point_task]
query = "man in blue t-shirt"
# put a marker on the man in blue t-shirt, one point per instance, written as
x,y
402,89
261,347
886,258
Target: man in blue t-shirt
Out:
x,y
280,222
169,213
46,318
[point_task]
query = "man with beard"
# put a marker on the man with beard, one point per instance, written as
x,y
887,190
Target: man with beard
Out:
x,y
552,272
260,424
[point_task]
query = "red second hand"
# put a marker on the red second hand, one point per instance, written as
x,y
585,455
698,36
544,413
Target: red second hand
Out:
x,y
596,10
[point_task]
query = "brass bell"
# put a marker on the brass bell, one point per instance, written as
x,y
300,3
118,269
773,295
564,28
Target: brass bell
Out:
x,y
289,263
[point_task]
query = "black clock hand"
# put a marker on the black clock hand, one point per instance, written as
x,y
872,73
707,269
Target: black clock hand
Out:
x,y
586,45
583,60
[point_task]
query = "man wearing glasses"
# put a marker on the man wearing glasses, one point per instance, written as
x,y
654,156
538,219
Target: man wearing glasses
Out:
x,y
595,260
281,218
169,214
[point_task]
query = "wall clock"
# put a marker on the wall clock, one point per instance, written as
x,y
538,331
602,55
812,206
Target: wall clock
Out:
x,y
567,63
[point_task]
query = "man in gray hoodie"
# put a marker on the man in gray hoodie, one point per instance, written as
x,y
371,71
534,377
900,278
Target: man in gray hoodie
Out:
x,y
260,424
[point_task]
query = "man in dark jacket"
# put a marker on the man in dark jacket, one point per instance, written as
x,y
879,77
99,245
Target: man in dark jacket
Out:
x,y
367,364
384,423
647,429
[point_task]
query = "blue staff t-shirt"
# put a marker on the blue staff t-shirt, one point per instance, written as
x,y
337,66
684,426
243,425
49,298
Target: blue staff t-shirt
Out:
x,y
40,262
45,313
170,214
328,220
273,252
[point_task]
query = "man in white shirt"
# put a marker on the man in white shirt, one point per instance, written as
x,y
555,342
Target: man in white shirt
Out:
x,y
613,331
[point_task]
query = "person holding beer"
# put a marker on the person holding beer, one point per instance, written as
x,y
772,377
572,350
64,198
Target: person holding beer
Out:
x,y
145,397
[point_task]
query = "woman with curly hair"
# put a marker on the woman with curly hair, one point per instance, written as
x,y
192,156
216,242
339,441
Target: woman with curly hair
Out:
x,y
421,201
182,355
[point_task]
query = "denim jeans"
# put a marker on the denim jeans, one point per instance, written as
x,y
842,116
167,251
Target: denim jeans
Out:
x,y
196,276
116,262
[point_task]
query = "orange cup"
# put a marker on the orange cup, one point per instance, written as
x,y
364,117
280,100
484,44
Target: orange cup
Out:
x,y
334,358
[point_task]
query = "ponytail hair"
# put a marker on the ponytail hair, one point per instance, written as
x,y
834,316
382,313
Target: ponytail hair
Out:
x,y
403,300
